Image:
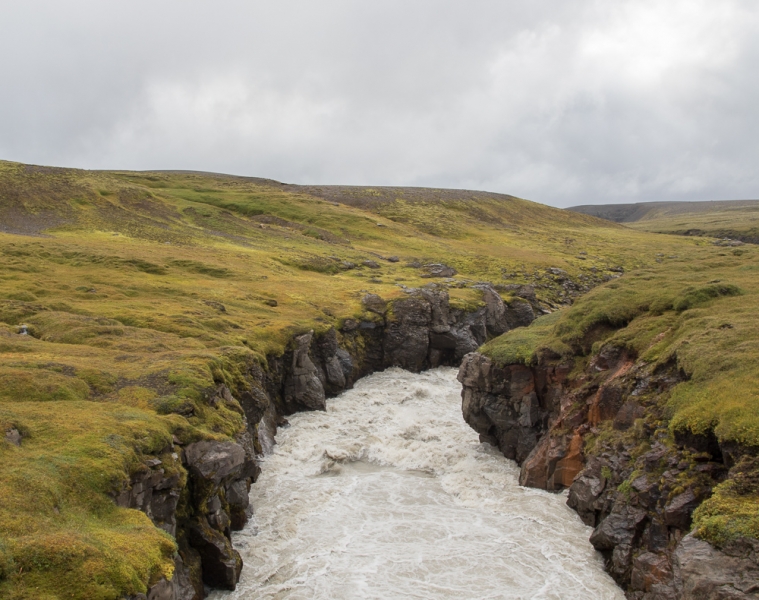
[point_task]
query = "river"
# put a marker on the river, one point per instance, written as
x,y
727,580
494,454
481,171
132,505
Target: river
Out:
x,y
389,494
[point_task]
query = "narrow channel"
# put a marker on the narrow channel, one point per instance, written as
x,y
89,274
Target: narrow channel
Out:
x,y
389,494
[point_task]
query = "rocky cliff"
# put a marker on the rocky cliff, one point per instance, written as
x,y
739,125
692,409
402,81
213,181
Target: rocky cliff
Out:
x,y
596,423
198,492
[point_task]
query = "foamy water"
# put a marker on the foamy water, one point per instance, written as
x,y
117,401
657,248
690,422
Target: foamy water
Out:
x,y
389,494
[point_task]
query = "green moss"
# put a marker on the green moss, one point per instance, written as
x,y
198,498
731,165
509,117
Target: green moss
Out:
x,y
520,345
693,297
732,512
19,385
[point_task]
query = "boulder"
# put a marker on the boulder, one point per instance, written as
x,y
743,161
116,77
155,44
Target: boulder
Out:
x,y
620,527
652,572
374,303
584,494
470,331
519,314
678,512
495,310
179,587
237,497
335,373
13,436
438,270
214,461
346,363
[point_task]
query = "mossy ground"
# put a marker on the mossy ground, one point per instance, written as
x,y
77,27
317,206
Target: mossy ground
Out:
x,y
141,291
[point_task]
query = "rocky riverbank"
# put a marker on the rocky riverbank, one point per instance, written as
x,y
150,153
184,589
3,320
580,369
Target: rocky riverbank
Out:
x,y
596,423
199,492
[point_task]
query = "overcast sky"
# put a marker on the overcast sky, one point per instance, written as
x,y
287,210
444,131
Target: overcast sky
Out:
x,y
565,103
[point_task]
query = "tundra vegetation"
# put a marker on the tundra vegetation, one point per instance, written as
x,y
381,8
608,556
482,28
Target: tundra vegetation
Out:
x,y
125,297
734,219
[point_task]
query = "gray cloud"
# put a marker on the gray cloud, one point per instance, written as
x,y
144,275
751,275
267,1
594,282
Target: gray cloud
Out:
x,y
563,103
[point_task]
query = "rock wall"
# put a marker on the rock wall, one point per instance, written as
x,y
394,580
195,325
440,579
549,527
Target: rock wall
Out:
x,y
199,492
596,425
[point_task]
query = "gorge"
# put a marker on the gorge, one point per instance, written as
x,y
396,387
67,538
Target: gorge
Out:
x,y
158,330
389,494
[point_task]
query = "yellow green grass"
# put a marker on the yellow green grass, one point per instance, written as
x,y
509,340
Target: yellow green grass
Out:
x,y
142,291
738,220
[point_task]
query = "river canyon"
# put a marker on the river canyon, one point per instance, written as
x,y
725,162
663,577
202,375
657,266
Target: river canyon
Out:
x,y
390,494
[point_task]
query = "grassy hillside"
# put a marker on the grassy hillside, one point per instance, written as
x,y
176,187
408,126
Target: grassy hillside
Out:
x,y
735,219
139,291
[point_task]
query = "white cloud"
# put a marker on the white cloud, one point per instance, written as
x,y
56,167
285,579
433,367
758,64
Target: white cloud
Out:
x,y
559,102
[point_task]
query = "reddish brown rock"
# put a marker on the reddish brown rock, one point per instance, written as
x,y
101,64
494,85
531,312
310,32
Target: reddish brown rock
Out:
x,y
570,465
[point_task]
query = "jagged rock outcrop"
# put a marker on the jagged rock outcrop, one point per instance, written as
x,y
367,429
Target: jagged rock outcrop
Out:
x,y
303,388
510,406
501,318
602,433
155,492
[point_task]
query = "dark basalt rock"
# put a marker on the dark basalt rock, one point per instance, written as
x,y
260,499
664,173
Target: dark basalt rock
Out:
x,y
407,338
303,389
214,461
154,493
509,406
375,304
703,572
678,512
616,534
221,563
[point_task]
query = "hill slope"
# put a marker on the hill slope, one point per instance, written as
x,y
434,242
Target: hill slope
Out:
x,y
132,303
735,219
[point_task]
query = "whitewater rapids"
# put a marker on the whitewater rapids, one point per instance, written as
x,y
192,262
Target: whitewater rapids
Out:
x,y
389,494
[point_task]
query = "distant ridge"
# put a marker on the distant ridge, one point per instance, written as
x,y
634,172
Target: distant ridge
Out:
x,y
641,211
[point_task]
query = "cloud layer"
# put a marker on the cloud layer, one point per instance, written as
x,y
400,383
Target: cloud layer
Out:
x,y
563,103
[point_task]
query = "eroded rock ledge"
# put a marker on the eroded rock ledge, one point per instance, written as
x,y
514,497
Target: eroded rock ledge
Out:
x,y
595,425
199,492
